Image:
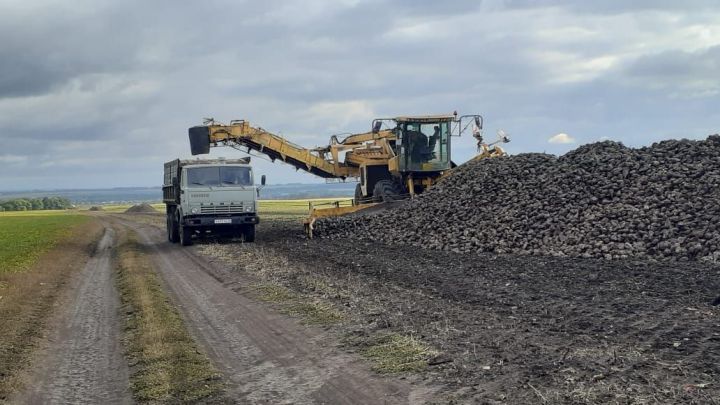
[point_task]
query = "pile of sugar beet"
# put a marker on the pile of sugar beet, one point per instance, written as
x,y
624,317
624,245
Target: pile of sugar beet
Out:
x,y
602,200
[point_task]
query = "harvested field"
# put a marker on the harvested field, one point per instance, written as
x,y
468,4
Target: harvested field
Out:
x,y
141,209
512,328
602,200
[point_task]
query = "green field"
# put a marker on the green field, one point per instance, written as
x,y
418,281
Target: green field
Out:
x,y
297,208
24,236
271,208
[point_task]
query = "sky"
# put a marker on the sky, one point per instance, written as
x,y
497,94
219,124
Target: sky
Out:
x,y
100,93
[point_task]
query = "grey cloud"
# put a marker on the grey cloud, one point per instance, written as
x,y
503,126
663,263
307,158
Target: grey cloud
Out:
x,y
614,6
677,67
121,81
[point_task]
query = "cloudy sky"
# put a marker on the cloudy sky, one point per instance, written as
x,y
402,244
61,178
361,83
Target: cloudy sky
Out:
x,y
100,93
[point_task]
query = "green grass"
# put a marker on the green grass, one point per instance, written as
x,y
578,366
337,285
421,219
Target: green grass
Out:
x,y
297,208
311,312
273,293
24,236
37,213
395,353
314,313
267,208
166,364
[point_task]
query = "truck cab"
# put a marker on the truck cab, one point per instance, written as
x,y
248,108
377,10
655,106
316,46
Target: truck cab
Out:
x,y
210,197
424,144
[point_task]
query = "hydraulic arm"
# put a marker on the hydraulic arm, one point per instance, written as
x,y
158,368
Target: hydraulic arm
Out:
x,y
323,162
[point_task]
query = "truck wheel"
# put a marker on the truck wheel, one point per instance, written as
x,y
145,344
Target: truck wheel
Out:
x,y
172,229
387,191
185,235
249,233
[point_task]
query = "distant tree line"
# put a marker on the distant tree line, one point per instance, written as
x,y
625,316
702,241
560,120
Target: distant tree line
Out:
x,y
32,204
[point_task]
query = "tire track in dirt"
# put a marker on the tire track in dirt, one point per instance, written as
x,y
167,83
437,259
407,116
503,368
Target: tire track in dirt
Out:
x,y
265,357
83,361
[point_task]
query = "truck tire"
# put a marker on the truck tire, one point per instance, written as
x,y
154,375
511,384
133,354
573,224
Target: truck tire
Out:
x,y
172,229
249,233
387,191
185,235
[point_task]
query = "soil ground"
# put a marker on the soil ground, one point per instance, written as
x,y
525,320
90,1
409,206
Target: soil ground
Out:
x,y
83,360
512,329
265,356
508,329
30,298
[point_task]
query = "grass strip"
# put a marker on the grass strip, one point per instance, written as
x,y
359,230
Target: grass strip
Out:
x,y
166,365
314,313
311,312
394,353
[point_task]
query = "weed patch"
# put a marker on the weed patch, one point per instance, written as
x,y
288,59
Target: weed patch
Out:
x,y
314,313
394,353
165,363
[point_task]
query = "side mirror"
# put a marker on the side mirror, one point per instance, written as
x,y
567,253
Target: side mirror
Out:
x,y
376,127
478,123
262,180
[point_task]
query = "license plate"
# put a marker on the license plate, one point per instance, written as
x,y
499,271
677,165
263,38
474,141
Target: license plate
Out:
x,y
224,221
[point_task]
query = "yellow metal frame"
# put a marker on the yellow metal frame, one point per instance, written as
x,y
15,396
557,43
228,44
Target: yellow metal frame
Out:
x,y
335,211
362,149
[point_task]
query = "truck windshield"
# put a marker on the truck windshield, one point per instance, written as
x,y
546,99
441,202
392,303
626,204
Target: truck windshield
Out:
x,y
219,176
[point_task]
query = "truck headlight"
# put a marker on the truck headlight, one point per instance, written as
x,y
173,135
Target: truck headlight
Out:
x,y
248,208
194,210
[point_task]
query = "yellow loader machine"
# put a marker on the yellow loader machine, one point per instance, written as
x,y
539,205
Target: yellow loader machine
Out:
x,y
398,158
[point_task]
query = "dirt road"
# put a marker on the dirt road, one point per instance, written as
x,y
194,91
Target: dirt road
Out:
x,y
265,357
83,361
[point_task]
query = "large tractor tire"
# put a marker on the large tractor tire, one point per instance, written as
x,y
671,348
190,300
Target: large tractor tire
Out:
x,y
387,191
249,233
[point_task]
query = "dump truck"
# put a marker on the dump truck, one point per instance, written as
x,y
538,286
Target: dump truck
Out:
x,y
210,197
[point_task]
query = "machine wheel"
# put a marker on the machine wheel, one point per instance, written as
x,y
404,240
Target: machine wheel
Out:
x,y
358,195
387,191
172,229
185,235
249,233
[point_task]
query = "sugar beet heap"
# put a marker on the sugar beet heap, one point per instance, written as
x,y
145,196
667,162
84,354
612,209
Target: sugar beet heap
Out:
x,y
601,200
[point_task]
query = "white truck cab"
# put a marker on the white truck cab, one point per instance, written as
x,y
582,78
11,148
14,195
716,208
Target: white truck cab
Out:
x,y
215,196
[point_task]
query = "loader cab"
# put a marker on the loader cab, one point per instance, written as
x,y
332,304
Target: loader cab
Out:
x,y
423,144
